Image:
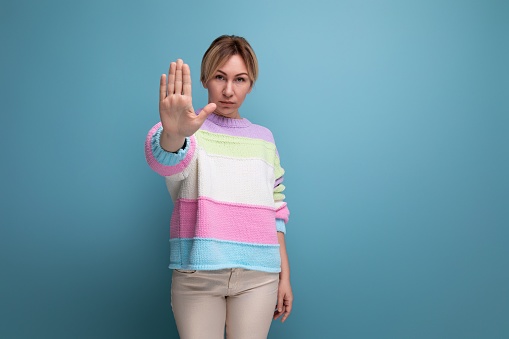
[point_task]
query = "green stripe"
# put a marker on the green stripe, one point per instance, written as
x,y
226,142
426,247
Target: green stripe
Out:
x,y
279,188
279,196
240,147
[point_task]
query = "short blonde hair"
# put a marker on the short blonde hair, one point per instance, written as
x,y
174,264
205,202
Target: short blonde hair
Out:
x,y
221,50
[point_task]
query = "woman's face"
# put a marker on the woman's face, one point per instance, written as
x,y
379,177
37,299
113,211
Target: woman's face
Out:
x,y
229,86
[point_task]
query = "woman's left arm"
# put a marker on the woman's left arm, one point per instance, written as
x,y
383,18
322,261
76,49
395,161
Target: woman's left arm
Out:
x,y
284,294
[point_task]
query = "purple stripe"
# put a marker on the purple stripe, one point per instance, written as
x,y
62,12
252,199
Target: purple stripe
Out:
x,y
248,130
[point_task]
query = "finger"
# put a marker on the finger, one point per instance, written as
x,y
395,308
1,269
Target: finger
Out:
x,y
285,316
205,112
162,87
288,307
208,109
288,310
280,303
186,79
171,78
277,314
178,77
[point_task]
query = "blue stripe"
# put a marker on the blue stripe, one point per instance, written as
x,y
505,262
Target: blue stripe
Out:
x,y
280,225
164,157
209,254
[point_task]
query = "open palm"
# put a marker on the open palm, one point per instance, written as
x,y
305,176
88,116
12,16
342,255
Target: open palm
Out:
x,y
176,110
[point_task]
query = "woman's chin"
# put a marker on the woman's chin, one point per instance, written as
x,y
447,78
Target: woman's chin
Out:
x,y
233,114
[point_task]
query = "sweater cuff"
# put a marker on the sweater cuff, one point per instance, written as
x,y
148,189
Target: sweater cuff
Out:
x,y
164,157
280,226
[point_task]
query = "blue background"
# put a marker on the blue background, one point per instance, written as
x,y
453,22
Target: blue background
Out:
x,y
391,118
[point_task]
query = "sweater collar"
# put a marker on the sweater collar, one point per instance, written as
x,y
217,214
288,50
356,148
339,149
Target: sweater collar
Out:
x,y
228,122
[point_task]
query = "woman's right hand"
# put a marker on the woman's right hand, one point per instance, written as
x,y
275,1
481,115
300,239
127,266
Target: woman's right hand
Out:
x,y
176,110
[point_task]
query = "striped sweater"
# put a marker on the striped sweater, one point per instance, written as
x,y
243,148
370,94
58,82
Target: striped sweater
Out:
x,y
227,192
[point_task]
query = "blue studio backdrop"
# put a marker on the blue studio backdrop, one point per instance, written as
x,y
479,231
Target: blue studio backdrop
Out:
x,y
391,118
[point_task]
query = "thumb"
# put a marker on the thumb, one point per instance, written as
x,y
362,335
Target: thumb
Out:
x,y
207,110
280,302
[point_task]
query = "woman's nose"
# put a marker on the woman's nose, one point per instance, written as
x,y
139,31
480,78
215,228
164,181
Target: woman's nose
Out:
x,y
228,89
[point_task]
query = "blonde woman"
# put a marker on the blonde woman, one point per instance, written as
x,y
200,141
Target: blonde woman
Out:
x,y
227,230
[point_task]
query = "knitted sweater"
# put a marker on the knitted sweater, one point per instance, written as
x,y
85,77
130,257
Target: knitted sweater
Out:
x,y
226,187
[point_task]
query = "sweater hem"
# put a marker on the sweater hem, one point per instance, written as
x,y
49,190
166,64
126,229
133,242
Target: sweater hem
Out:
x,y
220,267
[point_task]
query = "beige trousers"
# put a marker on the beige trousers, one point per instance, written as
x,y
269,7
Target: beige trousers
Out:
x,y
203,302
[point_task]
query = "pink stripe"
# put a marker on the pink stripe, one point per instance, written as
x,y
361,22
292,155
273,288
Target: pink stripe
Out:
x,y
283,213
163,169
206,218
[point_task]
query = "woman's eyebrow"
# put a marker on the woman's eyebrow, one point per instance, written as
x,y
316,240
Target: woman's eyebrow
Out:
x,y
244,73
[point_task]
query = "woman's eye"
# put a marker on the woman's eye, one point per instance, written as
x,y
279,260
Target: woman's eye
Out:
x,y
219,77
241,79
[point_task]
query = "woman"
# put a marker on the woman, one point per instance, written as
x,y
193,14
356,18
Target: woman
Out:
x,y
227,244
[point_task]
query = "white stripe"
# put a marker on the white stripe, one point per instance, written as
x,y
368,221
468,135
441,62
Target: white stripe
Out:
x,y
251,180
173,182
279,204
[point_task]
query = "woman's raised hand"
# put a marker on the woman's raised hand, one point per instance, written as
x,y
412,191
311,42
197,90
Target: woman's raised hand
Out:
x,y
176,110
